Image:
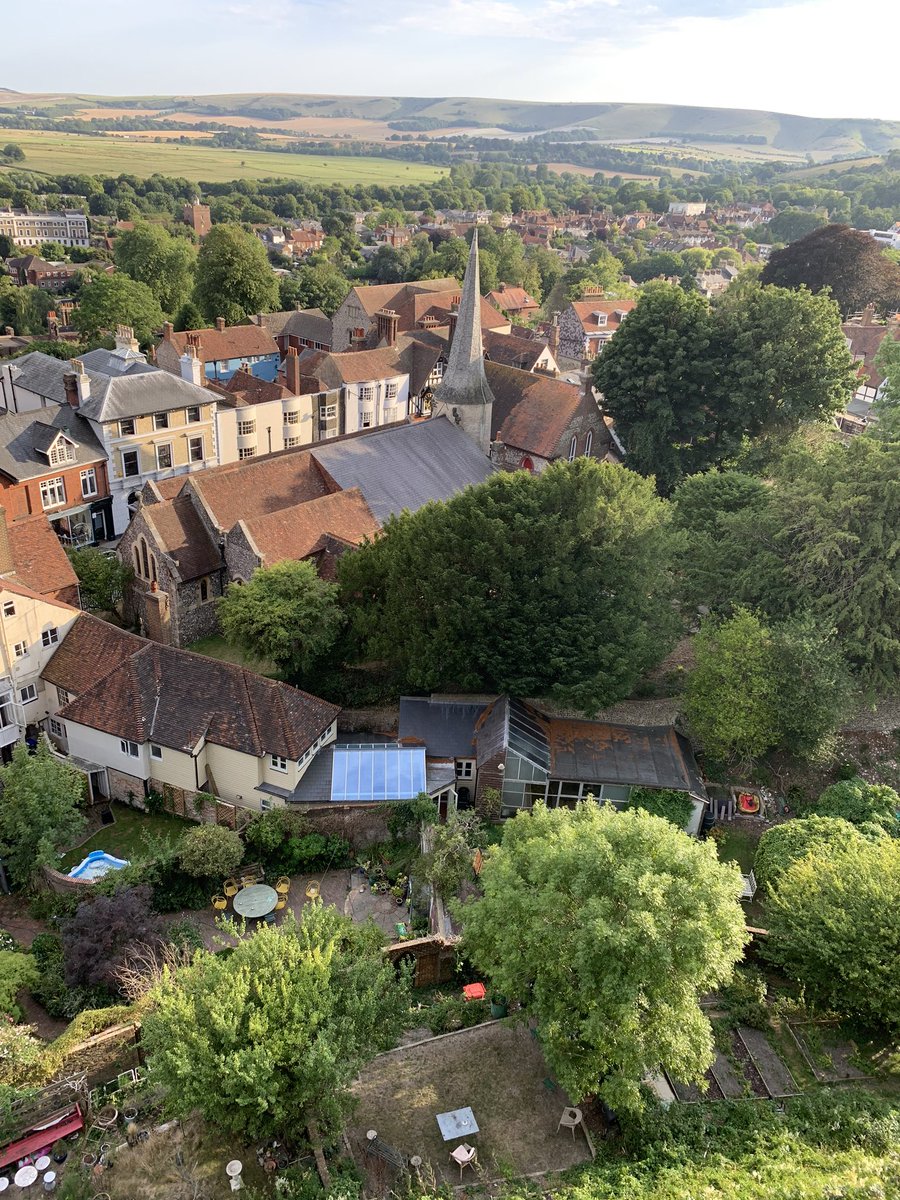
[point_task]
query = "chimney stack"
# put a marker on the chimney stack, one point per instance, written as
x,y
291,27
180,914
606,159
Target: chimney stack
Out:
x,y
82,382
191,366
868,316
71,386
387,324
7,566
292,371
168,330
220,324
125,340
553,335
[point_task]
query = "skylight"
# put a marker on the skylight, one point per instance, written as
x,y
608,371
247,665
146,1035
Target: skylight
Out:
x,y
377,772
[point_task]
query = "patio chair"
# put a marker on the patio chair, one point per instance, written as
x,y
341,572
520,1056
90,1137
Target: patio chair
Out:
x,y
283,886
248,880
464,1156
312,890
231,887
219,903
281,903
570,1119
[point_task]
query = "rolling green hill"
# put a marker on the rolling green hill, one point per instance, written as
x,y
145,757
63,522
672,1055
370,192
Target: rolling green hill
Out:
x,y
822,137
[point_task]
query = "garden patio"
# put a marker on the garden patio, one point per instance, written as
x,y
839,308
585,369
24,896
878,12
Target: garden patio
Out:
x,y
496,1070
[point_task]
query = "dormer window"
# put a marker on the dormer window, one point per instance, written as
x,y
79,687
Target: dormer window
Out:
x,y
61,451
600,318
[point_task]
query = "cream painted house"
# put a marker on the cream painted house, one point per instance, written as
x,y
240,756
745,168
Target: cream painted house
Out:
x,y
159,719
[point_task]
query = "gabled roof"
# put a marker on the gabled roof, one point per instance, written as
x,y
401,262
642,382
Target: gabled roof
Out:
x,y
26,437
405,466
511,299
374,296
89,651
179,532
300,531
310,324
234,341
585,311
532,412
174,698
249,489
41,563
513,351
354,366
114,362
244,388
865,342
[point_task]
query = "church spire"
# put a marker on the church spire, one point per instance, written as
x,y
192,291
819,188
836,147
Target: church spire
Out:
x,y
464,395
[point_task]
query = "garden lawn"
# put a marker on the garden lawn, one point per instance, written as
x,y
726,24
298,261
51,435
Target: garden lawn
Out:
x,y
124,838
739,845
217,647
496,1070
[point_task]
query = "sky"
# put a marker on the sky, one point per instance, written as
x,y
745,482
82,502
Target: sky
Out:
x,y
797,56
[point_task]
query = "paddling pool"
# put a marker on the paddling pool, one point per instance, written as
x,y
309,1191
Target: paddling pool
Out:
x,y
96,865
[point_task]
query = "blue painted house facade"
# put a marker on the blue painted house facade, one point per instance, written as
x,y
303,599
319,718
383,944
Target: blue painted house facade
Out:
x,y
220,351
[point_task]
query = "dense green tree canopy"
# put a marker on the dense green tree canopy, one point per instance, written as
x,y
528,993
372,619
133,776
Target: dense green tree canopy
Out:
x,y
285,614
756,686
321,285
525,583
101,578
40,810
112,300
791,224
782,845
862,803
834,926
164,263
849,262
686,382
608,927
234,279
268,1038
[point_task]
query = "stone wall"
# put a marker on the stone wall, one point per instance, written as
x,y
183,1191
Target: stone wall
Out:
x,y
383,719
64,885
241,559
571,335
361,824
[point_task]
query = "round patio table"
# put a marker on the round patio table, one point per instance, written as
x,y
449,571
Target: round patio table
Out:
x,y
255,901
25,1177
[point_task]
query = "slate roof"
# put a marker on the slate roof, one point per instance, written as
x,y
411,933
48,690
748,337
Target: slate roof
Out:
x,y
273,322
512,351
531,412
89,651
405,466
41,563
309,323
234,341
447,727
174,698
110,362
24,435
111,398
180,532
299,531
649,756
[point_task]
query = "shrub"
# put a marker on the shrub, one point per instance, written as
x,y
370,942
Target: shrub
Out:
x,y
676,807
98,938
785,844
17,971
185,934
211,851
860,802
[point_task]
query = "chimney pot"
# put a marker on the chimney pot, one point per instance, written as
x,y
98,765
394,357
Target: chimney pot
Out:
x,y
220,324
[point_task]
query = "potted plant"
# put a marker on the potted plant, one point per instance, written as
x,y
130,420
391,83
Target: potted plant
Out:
x,y
59,1151
88,1159
398,891
499,1006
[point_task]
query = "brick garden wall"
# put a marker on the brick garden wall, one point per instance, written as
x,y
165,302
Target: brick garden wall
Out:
x,y
361,824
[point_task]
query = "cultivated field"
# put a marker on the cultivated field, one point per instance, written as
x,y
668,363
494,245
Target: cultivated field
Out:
x,y
59,153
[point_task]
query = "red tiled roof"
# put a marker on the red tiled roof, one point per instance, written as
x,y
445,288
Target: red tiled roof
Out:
x,y
249,489
511,299
245,388
299,531
531,412
89,651
174,698
41,563
584,310
234,341
865,340
183,536
387,295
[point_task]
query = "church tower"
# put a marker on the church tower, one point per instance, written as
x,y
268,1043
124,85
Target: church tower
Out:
x,y
463,396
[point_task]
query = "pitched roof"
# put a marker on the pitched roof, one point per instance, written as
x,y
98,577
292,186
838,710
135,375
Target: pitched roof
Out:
x,y
41,563
511,299
273,322
244,388
113,362
183,536
865,341
174,698
352,366
234,341
405,466
251,488
24,435
310,324
585,310
648,756
513,351
387,295
531,412
89,651
300,531
447,727
111,398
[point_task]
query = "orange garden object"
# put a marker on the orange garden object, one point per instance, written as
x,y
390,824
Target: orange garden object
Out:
x,y
474,991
